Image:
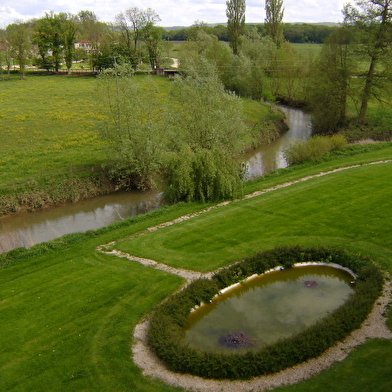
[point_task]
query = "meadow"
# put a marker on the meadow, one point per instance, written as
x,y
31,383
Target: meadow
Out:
x,y
49,127
68,311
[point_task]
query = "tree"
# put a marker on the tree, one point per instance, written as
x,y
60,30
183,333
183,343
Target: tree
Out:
x,y
373,18
49,37
69,29
273,21
207,136
330,83
132,22
133,127
204,47
248,76
91,30
152,36
5,53
235,13
19,39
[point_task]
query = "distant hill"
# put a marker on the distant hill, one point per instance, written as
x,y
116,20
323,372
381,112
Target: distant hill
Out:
x,y
331,24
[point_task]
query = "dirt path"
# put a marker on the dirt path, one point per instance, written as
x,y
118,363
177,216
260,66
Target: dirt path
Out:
x,y
144,357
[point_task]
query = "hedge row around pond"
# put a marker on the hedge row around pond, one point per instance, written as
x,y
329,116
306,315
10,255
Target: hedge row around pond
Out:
x,y
166,332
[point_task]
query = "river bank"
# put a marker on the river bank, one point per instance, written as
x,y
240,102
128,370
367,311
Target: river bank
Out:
x,y
36,196
101,206
41,194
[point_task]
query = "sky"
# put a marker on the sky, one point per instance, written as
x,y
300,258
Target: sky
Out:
x,y
173,12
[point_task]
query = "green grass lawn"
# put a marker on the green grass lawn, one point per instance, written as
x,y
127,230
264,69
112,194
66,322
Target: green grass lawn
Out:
x,y
292,215
67,315
47,128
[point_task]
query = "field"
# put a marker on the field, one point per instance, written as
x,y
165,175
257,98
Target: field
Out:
x,y
48,127
68,311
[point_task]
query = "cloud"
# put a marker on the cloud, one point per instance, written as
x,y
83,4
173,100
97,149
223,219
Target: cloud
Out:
x,y
173,12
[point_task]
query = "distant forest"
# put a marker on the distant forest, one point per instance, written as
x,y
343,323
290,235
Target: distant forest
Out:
x,y
295,33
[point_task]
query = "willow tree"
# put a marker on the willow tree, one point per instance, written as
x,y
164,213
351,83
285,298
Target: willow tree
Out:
x,y
373,18
208,133
132,124
273,20
235,13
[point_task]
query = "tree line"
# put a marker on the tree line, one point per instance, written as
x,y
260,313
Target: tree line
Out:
x,y
50,41
195,141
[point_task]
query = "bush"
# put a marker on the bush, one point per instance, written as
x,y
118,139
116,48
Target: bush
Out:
x,y
313,149
166,334
202,175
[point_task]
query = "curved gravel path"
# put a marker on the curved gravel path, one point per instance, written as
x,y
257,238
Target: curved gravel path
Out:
x,y
373,327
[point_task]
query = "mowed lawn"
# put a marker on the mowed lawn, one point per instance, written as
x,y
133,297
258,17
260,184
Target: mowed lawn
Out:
x,y
67,316
342,209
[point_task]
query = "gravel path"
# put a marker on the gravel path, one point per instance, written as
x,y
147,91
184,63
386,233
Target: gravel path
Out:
x,y
145,358
373,327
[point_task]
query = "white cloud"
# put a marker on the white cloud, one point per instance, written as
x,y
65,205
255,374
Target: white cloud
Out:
x,y
172,12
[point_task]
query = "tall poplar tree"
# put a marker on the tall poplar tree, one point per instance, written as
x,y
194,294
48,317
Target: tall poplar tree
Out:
x,y
235,13
273,20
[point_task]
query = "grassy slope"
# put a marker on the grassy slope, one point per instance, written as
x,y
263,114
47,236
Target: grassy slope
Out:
x,y
349,217
48,127
67,317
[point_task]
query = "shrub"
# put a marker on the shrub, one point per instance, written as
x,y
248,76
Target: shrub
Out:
x,y
313,149
166,334
202,175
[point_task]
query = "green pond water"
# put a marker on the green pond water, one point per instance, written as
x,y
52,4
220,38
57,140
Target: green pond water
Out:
x,y
268,308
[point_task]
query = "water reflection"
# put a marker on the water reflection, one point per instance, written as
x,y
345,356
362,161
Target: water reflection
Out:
x,y
27,229
271,157
271,307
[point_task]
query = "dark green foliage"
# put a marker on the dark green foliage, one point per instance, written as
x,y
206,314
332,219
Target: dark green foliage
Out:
x,y
202,175
166,331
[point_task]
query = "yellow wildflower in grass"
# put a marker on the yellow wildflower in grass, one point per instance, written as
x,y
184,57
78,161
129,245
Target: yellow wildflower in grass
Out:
x,y
48,123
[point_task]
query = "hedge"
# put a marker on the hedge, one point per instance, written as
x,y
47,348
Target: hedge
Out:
x,y
166,332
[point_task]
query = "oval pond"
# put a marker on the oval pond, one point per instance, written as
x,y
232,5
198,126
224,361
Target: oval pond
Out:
x,y
267,308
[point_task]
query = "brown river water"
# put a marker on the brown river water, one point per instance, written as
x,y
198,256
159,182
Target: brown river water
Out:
x,y
28,229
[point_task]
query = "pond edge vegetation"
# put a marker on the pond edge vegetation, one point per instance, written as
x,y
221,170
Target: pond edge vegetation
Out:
x,y
167,324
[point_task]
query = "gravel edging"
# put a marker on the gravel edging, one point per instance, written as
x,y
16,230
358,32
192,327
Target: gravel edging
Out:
x,y
373,327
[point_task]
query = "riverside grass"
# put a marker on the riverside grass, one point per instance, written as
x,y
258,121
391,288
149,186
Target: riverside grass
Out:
x,y
48,126
50,141
67,313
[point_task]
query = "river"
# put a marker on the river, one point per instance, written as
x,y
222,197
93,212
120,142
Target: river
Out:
x,y
27,229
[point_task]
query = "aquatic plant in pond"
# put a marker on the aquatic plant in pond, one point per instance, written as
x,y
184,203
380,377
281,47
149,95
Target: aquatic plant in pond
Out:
x,y
236,340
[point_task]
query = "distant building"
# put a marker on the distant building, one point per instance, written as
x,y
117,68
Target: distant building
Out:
x,y
86,45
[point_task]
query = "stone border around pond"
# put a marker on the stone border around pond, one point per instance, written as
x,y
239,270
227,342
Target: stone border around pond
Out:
x,y
279,268
168,320
374,327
